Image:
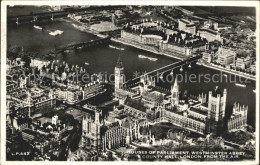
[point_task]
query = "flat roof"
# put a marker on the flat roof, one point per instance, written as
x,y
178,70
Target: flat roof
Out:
x,y
152,36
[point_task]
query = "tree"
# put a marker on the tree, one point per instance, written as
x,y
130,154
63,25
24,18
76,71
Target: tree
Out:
x,y
74,143
27,60
110,156
132,157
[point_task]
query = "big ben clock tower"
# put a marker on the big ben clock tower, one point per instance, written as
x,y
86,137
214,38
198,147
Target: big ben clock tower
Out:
x,y
119,75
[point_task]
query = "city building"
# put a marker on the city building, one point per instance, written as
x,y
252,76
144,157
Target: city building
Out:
x,y
243,62
91,124
220,27
119,78
208,56
187,26
38,63
238,117
226,56
28,135
119,13
21,123
253,68
92,89
210,35
209,24
45,102
194,114
216,109
163,37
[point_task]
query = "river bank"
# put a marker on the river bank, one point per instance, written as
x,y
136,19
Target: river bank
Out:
x,y
139,46
85,28
250,77
144,48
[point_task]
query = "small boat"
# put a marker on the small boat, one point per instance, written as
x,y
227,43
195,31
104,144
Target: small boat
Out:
x,y
141,56
149,58
66,51
56,32
181,69
111,46
119,48
153,59
240,85
52,34
37,27
114,47
86,63
80,47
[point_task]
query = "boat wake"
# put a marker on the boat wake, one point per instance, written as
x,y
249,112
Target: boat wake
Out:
x,y
56,32
240,85
114,47
149,58
37,27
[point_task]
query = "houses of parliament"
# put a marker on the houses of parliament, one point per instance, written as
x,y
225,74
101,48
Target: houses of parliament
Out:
x,y
144,104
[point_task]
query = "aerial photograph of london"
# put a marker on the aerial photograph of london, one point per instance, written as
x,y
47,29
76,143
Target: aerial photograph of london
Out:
x,y
130,83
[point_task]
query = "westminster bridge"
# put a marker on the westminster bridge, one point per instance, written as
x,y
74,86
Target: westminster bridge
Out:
x,y
166,69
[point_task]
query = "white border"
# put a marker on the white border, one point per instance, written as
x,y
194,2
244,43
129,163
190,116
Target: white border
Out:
x,y
122,2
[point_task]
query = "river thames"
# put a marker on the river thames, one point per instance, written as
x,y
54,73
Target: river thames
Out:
x,y
103,59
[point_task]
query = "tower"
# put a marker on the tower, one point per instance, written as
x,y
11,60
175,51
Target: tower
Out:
x,y
128,137
52,97
240,111
55,119
206,46
113,18
91,130
175,93
119,74
29,103
96,131
216,109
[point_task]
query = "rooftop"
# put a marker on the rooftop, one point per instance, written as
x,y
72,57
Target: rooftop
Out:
x,y
200,111
186,21
195,118
209,31
121,117
135,104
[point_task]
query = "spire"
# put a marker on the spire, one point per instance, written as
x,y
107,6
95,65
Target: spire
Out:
x,y
119,63
175,82
175,85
